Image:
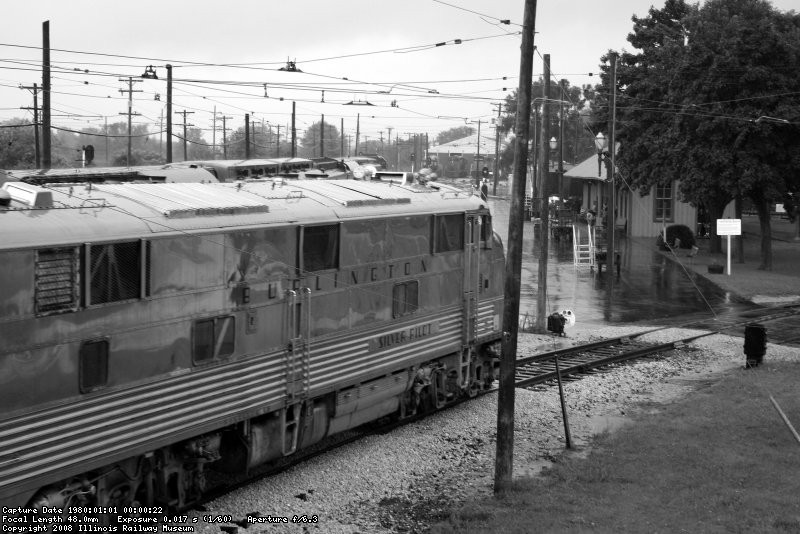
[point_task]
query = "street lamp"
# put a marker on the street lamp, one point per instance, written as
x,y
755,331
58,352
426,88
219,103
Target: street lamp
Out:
x,y
600,143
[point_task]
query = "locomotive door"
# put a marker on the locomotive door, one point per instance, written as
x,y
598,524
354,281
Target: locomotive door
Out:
x,y
298,354
471,277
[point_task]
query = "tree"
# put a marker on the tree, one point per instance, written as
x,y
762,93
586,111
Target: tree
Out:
x,y
311,145
459,132
17,150
691,97
578,139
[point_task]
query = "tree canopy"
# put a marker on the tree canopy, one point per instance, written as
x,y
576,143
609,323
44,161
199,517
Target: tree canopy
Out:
x,y
459,132
710,98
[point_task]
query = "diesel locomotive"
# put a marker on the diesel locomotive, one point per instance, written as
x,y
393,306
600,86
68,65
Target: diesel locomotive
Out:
x,y
153,332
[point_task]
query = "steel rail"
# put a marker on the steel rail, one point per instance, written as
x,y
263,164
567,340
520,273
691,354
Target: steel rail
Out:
x,y
540,368
598,356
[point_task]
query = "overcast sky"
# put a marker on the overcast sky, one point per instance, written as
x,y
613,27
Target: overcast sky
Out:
x,y
384,50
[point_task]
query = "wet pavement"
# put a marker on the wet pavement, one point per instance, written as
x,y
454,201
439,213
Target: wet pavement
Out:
x,y
650,290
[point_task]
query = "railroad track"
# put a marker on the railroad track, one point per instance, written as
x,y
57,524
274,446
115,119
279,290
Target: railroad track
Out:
x,y
537,369
580,359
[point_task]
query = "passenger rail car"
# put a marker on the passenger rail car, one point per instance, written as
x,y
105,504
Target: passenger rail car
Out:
x,y
170,173
151,332
232,170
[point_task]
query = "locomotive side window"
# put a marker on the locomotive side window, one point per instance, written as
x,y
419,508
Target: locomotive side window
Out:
x,y
57,280
409,236
93,365
115,272
213,338
449,233
320,248
405,298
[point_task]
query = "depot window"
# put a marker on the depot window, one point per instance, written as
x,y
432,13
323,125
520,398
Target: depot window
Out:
x,y
320,248
213,338
664,203
405,298
449,233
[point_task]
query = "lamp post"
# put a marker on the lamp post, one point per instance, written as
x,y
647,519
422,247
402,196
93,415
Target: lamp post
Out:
x,y
554,144
604,155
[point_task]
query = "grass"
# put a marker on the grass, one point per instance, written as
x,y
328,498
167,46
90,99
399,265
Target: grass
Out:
x,y
719,460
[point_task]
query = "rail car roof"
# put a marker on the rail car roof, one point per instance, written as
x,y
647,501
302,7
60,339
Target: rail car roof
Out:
x,y
109,212
163,173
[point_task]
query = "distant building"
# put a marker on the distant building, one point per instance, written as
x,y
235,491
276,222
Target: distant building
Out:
x,y
641,216
462,157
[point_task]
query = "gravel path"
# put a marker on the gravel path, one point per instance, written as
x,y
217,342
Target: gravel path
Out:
x,y
414,476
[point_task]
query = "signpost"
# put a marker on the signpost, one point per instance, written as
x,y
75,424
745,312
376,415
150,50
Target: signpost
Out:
x,y
729,227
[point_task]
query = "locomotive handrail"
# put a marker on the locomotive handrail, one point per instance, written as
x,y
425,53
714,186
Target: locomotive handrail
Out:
x,y
307,343
103,203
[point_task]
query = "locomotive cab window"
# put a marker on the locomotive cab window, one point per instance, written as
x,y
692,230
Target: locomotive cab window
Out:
x,y
93,365
213,338
405,298
320,248
449,233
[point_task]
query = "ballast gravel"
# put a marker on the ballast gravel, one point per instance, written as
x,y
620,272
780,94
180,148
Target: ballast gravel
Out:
x,y
414,476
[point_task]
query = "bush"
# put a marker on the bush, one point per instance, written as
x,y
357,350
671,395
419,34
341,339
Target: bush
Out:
x,y
678,231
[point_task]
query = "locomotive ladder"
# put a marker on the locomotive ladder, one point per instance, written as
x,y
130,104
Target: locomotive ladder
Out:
x,y
471,287
298,364
298,352
471,279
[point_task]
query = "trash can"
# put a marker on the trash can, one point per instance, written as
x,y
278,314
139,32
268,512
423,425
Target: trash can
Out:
x,y
556,323
755,344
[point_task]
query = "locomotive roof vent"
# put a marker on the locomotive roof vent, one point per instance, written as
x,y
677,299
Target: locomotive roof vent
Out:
x,y
31,195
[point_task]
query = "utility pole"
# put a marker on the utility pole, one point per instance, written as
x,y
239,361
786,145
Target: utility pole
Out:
x,y
253,129
106,132
358,128
341,138
35,90
214,135
161,132
278,143
224,120
389,141
185,125
496,149
611,216
561,143
504,458
544,214
169,113
246,136
294,134
322,137
478,157
46,147
130,90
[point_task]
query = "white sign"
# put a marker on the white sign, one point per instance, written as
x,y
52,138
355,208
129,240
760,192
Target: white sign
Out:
x,y
729,227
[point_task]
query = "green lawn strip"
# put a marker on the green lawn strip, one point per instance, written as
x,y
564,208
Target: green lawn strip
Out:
x,y
719,460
